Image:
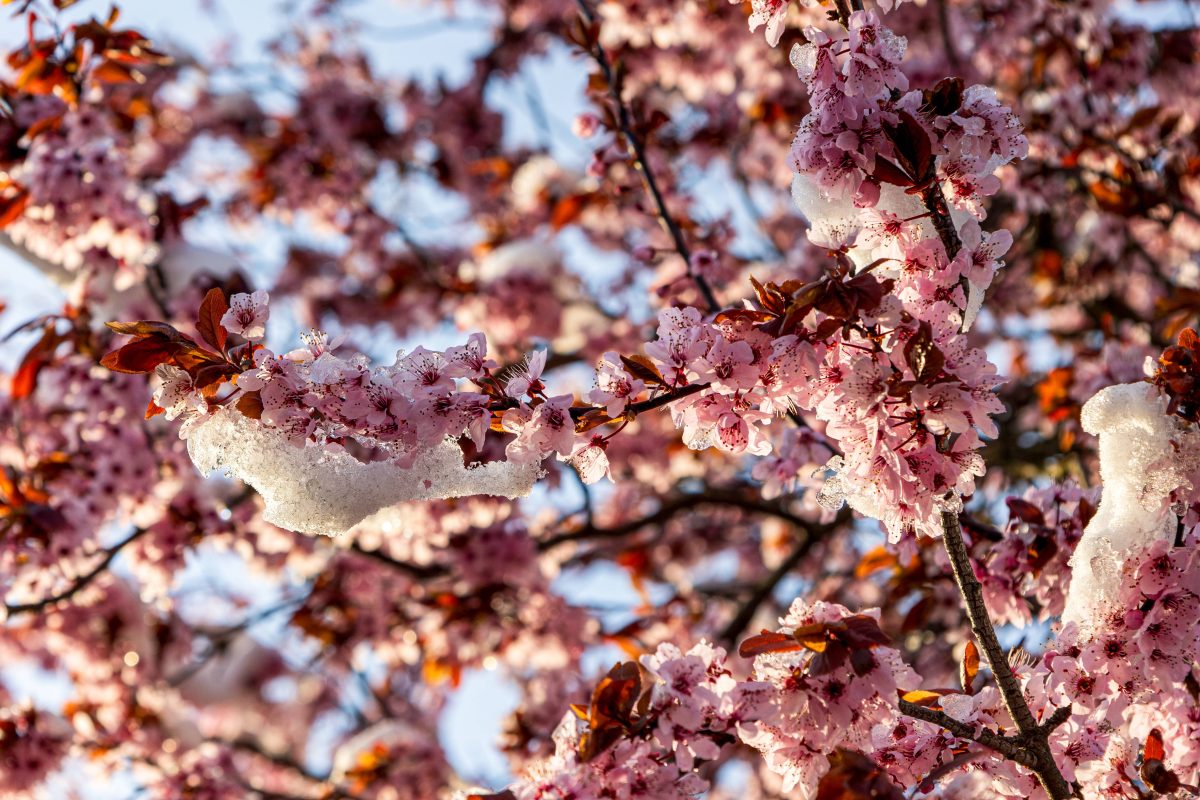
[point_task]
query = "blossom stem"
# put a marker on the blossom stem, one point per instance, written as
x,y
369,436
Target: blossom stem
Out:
x,y
658,401
935,201
843,12
939,212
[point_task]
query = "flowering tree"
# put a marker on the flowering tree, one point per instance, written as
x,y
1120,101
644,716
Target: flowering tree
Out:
x,y
858,357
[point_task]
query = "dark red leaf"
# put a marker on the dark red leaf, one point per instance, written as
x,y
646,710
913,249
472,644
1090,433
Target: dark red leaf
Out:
x,y
1154,771
922,355
140,355
144,328
1025,511
853,776
643,369
24,380
945,97
208,324
888,172
864,631
768,642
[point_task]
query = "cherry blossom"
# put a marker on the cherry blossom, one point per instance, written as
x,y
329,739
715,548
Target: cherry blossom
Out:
x,y
339,389
247,315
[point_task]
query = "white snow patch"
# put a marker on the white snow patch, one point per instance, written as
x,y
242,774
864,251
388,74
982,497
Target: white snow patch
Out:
x,y
320,490
1136,435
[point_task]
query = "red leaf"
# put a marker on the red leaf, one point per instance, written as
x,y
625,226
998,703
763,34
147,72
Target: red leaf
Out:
x,y
864,631
568,209
969,667
1154,746
143,328
914,150
945,98
853,776
922,697
743,315
592,419
1025,511
922,355
110,71
643,369
250,404
24,380
1154,771
153,410
888,172
768,642
771,297
12,207
212,308
142,355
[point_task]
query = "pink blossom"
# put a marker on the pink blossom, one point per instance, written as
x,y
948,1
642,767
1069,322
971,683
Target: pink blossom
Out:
x,y
527,379
469,360
615,387
247,315
590,459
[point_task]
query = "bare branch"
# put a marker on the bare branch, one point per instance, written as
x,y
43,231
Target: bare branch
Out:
x,y
638,151
80,583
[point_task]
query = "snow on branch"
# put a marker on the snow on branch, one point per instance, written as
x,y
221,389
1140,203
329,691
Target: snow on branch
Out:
x,y
325,490
1145,456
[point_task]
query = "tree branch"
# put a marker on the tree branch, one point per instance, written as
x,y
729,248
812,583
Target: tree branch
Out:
x,y
638,151
80,583
674,505
1009,748
1033,738
729,635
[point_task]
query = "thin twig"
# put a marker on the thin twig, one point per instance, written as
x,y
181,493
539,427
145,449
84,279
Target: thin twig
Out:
x,y
638,151
675,505
81,582
418,571
745,615
1009,748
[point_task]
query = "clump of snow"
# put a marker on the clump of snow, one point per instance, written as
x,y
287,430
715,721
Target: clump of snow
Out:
x,y
323,490
1139,471
834,219
841,215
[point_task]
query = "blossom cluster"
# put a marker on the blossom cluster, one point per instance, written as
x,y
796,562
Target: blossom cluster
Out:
x,y
904,394
1112,677
32,743
895,378
682,708
860,99
857,332
82,206
1025,575
830,693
